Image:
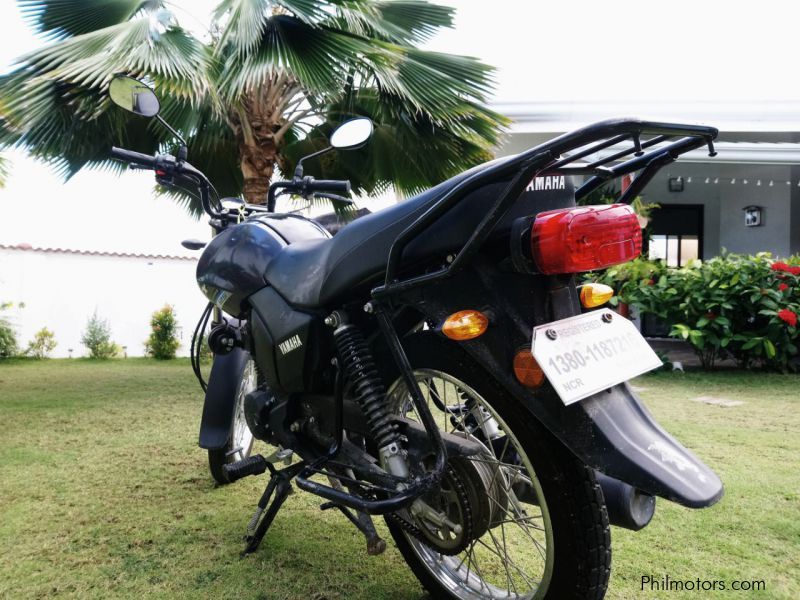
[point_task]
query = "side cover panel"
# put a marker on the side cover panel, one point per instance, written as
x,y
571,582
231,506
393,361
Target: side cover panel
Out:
x,y
290,349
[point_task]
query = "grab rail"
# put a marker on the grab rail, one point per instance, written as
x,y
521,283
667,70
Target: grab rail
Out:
x,y
548,158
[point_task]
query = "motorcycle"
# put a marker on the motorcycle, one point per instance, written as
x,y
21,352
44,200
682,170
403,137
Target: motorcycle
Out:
x,y
437,362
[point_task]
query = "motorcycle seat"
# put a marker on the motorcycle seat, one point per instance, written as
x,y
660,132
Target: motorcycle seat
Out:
x,y
318,273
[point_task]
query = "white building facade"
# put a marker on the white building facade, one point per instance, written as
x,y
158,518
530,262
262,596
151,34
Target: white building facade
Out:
x,y
61,288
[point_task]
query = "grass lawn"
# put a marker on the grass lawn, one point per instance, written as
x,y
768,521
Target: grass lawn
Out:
x,y
103,492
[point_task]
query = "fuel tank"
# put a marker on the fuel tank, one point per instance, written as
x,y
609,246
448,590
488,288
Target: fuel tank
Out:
x,y
234,263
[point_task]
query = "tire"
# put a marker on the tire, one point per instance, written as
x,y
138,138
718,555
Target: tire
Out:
x,y
240,439
577,557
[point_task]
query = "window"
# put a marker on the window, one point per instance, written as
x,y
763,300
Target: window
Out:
x,y
676,234
676,250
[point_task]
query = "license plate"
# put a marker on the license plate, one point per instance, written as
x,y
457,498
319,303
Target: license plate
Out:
x,y
589,353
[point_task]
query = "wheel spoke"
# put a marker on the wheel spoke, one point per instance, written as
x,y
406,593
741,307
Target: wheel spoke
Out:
x,y
499,563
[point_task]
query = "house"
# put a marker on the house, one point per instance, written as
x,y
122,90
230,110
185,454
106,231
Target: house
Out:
x,y
746,199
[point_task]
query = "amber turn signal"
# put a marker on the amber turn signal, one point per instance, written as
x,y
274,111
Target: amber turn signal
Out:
x,y
465,325
527,370
595,294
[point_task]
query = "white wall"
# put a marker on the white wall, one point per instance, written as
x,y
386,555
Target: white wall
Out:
x,y
61,291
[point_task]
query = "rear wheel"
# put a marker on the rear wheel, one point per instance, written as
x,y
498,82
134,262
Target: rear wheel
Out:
x,y
240,439
531,518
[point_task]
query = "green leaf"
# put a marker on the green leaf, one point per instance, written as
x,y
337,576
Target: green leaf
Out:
x,y
696,338
752,343
769,303
769,348
62,18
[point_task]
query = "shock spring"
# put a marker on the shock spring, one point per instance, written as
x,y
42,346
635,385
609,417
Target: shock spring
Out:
x,y
359,367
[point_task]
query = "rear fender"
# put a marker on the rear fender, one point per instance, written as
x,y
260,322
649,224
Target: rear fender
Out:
x,y
610,431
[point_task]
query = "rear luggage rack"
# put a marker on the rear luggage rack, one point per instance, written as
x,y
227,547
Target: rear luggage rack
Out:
x,y
664,144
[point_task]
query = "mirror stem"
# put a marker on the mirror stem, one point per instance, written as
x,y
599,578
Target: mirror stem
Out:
x,y
183,151
298,172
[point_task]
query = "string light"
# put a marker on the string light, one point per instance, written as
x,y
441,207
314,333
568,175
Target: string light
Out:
x,y
734,180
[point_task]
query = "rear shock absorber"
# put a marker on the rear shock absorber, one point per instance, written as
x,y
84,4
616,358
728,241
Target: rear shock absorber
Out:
x,y
359,368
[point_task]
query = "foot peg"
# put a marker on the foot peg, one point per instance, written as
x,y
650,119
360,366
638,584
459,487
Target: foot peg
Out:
x,y
253,465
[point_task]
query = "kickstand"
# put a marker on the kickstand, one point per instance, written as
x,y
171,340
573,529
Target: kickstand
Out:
x,y
280,484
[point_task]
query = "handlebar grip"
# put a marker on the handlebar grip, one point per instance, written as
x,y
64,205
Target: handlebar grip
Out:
x,y
334,186
145,160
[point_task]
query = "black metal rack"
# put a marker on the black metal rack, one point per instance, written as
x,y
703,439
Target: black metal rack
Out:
x,y
549,158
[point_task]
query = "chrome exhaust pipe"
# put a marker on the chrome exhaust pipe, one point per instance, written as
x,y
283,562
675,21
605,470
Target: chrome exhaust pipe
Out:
x,y
627,507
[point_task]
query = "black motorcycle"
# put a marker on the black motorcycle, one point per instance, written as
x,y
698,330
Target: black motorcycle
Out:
x,y
437,362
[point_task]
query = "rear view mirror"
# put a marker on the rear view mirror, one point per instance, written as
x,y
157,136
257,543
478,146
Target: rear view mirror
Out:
x,y
134,96
352,133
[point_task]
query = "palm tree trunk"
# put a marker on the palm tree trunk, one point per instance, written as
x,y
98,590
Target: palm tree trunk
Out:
x,y
256,123
258,165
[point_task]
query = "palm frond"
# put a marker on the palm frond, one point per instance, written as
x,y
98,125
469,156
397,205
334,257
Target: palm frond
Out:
x,y
140,46
58,19
316,57
246,20
404,22
5,170
407,151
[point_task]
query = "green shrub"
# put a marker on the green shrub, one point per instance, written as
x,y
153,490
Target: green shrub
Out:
x,y
42,344
8,340
744,307
9,346
97,338
163,341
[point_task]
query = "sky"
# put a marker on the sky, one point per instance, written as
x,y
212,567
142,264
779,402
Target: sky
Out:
x,y
557,51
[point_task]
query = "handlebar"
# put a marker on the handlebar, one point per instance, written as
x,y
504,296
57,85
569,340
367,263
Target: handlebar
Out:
x,y
333,186
137,158
305,186
167,166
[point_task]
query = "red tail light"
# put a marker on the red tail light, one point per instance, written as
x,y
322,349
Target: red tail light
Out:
x,y
585,238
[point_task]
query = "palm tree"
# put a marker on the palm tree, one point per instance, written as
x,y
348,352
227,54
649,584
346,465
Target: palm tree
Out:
x,y
262,88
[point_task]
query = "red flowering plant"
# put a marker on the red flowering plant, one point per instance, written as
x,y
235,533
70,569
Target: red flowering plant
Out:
x,y
732,306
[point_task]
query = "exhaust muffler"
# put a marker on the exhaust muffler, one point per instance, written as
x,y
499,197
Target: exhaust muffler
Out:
x,y
627,507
